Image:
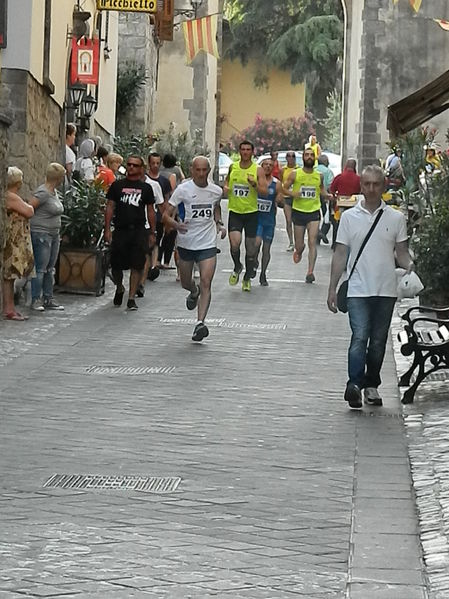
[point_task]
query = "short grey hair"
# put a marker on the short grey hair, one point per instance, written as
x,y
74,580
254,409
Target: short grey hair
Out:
x,y
202,158
14,176
373,169
55,172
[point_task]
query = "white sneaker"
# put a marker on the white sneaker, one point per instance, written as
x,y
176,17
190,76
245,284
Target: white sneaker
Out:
x,y
372,397
37,306
290,248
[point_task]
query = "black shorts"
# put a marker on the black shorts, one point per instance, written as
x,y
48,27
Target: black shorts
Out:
x,y
302,219
196,255
129,249
247,222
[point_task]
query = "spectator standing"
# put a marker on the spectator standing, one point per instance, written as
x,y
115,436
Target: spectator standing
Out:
x,y
45,227
276,172
372,286
314,145
70,156
84,167
346,183
107,173
18,257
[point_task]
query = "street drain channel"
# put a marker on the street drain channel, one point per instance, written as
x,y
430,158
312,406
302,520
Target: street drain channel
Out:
x,y
225,324
145,484
129,370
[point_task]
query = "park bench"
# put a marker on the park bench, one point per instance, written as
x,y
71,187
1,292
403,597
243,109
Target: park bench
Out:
x,y
426,338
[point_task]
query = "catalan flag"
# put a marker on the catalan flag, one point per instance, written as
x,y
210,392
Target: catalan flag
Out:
x,y
443,24
201,36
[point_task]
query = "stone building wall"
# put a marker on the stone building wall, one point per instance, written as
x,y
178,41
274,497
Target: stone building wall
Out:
x,y
137,44
35,133
390,53
4,151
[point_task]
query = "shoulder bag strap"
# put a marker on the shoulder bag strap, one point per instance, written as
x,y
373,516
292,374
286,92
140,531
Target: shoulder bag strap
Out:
x,y
365,241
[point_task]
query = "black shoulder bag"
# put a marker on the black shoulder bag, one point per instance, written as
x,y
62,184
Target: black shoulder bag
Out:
x,y
342,293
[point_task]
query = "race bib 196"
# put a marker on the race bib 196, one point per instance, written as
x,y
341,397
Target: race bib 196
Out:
x,y
264,205
241,191
308,193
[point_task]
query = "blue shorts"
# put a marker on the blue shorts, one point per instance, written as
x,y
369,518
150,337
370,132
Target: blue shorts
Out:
x,y
265,229
196,255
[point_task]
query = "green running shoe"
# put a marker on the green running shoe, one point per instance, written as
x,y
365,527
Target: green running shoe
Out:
x,y
234,278
246,285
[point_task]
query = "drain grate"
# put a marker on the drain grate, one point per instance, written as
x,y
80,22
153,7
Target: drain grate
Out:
x,y
145,484
224,324
129,370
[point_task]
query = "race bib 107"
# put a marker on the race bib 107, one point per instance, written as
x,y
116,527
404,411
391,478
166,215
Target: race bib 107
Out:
x,y
241,191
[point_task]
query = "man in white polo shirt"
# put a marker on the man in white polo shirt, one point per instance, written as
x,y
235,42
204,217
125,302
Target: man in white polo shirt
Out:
x,y
372,286
197,202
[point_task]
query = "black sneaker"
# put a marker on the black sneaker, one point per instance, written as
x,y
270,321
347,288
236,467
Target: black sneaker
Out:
x,y
200,332
153,273
118,297
50,304
263,281
310,278
192,299
140,292
353,396
131,305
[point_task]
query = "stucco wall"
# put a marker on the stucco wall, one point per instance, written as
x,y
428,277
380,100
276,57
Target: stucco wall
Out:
x,y
241,100
186,93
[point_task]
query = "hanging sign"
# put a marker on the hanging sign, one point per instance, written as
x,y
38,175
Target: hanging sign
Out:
x,y
85,59
3,23
128,5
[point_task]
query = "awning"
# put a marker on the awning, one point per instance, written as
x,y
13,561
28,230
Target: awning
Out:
x,y
419,107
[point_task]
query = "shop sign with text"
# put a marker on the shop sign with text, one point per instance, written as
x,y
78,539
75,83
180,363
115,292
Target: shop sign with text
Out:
x,y
149,6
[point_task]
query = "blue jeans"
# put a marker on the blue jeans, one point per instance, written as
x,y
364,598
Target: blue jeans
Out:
x,y
45,249
369,318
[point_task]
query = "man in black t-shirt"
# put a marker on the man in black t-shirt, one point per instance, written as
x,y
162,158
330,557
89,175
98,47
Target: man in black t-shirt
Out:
x,y
130,203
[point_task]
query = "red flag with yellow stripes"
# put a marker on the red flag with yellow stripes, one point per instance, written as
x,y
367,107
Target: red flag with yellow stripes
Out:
x,y
201,36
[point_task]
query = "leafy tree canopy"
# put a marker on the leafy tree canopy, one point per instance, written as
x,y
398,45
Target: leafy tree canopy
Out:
x,y
303,37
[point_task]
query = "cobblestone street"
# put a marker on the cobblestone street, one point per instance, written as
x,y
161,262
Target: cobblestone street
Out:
x,y
284,492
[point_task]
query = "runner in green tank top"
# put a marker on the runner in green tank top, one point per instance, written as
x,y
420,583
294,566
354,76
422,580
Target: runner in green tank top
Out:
x,y
245,181
306,187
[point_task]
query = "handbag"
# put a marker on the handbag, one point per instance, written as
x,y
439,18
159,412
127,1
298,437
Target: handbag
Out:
x,y
342,293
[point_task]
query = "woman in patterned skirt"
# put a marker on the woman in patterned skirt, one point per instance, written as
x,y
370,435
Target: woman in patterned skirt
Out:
x,y
18,258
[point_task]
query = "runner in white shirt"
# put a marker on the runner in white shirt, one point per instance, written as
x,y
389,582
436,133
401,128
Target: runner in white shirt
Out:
x,y
198,205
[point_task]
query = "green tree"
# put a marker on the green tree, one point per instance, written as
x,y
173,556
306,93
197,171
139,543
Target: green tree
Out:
x,y
303,37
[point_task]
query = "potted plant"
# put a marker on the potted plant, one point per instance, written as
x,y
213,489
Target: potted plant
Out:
x,y
81,264
431,243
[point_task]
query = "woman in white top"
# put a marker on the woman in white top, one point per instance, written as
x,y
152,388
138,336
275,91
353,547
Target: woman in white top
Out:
x,y
70,156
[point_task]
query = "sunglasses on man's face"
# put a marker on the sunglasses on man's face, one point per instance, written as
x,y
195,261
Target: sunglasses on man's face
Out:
x,y
133,165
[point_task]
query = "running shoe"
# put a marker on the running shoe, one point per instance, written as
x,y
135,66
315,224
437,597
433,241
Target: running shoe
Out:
x,y
246,285
353,396
118,297
140,292
310,278
192,299
372,397
153,273
234,278
290,247
200,332
296,256
263,281
131,305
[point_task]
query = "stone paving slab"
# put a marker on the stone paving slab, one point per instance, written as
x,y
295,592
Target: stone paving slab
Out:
x,y
281,484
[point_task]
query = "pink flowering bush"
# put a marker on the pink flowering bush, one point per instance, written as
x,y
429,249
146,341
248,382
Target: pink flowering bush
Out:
x,y
268,134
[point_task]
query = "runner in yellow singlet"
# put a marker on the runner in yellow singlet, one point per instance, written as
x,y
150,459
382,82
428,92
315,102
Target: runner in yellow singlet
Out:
x,y
305,186
288,168
244,182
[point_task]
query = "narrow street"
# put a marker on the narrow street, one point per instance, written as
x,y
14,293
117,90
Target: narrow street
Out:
x,y
284,492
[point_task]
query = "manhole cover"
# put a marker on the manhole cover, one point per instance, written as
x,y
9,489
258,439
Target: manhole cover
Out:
x,y
145,484
129,370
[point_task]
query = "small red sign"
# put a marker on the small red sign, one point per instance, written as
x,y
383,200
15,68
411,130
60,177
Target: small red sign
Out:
x,y
85,59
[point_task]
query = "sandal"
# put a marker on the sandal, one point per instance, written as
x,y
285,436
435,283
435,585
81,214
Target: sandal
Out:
x,y
22,315
13,316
